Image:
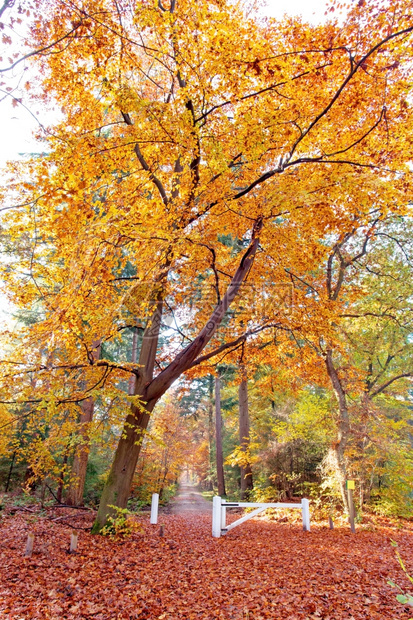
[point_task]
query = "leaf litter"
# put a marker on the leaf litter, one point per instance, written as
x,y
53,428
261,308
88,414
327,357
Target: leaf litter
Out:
x,y
261,570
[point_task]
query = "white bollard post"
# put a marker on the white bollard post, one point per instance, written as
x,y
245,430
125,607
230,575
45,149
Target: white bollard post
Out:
x,y
216,517
154,509
223,517
306,514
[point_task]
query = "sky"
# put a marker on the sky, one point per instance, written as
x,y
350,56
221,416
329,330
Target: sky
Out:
x,y
17,124
311,10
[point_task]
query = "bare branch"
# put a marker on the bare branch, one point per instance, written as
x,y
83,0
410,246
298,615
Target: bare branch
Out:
x,y
259,92
353,70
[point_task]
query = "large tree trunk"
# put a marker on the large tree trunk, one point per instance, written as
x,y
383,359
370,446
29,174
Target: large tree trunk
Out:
x,y
343,432
119,482
74,496
218,438
150,389
244,436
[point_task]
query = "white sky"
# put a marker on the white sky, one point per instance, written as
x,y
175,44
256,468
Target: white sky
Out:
x,y
17,125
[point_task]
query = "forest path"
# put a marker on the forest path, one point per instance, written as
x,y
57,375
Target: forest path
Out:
x,y
189,501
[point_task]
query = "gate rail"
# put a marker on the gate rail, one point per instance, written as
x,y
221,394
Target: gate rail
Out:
x,y
219,510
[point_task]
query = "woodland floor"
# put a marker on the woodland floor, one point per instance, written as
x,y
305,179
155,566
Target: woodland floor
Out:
x,y
258,571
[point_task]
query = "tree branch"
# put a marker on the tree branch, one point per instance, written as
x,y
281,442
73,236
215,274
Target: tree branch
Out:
x,y
6,5
144,164
41,50
185,358
353,70
389,382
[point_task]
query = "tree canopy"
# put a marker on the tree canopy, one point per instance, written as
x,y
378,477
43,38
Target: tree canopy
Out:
x,y
208,162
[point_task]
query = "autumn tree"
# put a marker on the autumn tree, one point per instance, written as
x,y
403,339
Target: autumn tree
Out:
x,y
365,289
184,124
218,438
372,363
241,455
165,451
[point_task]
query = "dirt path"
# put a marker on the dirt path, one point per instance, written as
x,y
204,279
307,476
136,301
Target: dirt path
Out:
x,y
189,501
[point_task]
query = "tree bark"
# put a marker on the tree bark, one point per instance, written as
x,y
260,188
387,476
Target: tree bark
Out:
x,y
218,438
244,436
210,486
150,388
6,489
119,482
338,448
134,357
74,496
59,494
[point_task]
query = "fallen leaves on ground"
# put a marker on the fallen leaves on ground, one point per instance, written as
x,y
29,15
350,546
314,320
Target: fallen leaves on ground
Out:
x,y
258,571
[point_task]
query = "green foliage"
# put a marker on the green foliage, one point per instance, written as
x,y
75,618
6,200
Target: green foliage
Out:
x,y
95,474
142,495
405,598
310,420
18,470
122,525
263,491
394,497
168,493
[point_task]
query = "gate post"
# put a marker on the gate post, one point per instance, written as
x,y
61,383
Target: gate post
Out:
x,y
154,509
305,504
216,517
223,516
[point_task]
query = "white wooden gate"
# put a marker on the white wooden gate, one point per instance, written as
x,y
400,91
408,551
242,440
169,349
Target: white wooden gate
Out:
x,y
219,509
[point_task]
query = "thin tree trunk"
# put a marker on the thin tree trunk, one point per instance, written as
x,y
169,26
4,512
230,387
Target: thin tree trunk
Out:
x,y
218,438
244,436
211,431
61,481
74,496
134,357
10,473
338,449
